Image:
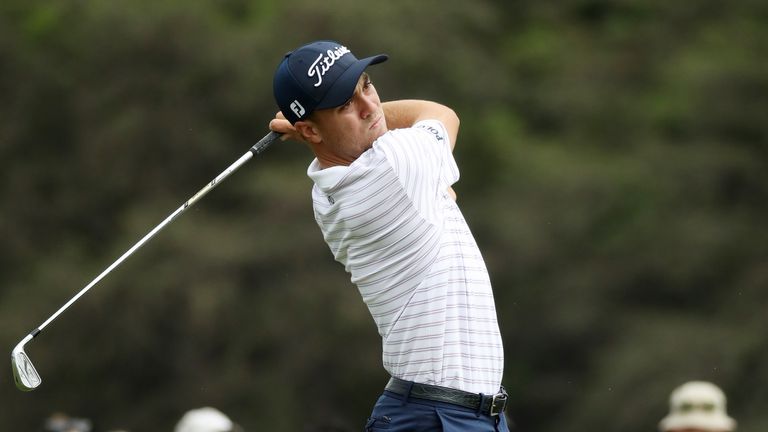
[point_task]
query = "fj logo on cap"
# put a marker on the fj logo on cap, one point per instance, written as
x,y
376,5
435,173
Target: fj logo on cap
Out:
x,y
297,108
323,63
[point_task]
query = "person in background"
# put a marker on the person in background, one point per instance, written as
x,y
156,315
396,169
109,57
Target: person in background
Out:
x,y
697,406
206,419
60,422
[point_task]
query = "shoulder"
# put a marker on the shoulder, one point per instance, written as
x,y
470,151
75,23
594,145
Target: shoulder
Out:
x,y
434,127
424,130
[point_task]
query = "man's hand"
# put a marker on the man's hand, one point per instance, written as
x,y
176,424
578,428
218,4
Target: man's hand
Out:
x,y
281,125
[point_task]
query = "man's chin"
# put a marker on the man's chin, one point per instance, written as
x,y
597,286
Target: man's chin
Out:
x,y
379,129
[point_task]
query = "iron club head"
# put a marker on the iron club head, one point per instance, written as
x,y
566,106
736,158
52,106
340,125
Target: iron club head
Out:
x,y
24,372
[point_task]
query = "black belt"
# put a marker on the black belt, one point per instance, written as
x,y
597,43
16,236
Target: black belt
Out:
x,y
486,404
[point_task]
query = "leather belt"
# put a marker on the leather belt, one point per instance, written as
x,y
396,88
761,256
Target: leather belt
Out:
x,y
487,404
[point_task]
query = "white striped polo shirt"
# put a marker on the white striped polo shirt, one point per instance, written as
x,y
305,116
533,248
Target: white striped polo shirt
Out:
x,y
388,218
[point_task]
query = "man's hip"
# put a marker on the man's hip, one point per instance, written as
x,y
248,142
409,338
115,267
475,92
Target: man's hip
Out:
x,y
408,406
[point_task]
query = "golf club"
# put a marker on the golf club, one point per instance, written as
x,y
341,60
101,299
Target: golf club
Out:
x,y
24,372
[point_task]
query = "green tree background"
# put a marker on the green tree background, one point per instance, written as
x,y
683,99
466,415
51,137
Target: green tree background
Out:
x,y
614,171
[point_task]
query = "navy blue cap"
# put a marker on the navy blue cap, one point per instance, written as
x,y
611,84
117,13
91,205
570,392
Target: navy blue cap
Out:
x,y
318,75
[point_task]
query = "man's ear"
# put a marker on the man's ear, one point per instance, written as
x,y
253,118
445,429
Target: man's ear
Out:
x,y
308,130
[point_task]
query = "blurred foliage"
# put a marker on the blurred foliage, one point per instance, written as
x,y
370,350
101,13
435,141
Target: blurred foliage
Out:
x,y
614,171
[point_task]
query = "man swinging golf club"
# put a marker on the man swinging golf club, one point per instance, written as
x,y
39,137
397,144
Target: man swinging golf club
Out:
x,y
383,200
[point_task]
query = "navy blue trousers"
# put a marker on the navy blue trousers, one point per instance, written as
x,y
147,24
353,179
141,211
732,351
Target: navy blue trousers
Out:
x,y
395,413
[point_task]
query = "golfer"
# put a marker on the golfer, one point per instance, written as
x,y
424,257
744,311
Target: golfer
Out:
x,y
383,200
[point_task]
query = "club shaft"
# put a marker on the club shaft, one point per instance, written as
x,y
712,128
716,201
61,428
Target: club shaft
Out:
x,y
256,149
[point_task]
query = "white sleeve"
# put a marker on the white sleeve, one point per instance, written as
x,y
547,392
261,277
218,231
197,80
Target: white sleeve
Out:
x,y
421,159
448,169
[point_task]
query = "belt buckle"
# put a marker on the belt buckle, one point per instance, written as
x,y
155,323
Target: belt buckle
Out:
x,y
501,398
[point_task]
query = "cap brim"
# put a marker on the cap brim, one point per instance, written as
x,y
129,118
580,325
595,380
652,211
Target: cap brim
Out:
x,y
344,87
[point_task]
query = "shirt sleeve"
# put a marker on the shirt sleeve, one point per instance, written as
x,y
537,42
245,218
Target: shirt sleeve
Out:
x,y
421,158
448,169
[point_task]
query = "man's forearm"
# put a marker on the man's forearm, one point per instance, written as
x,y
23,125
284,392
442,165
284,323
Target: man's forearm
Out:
x,y
405,113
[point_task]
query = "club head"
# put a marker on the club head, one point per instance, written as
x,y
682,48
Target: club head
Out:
x,y
24,372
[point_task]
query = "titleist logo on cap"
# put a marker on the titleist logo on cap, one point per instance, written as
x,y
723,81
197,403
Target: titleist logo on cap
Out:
x,y
324,63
